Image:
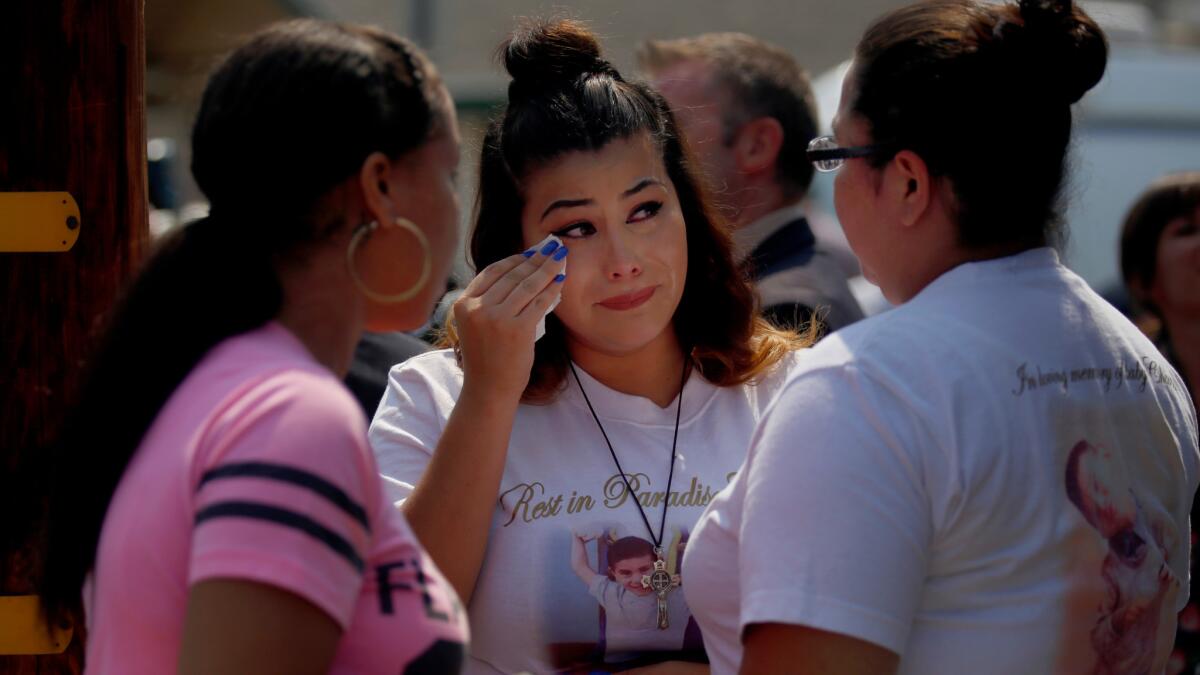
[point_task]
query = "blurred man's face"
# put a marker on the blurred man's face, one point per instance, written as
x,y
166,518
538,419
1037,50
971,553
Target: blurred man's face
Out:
x,y
700,107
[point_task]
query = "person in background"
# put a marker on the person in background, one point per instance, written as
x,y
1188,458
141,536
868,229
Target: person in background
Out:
x,y
995,476
374,356
1160,262
214,485
377,353
747,110
628,414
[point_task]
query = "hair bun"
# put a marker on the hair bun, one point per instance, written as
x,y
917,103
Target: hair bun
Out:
x,y
542,54
1068,46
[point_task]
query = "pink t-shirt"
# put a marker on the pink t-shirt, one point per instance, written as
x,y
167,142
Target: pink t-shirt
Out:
x,y
257,468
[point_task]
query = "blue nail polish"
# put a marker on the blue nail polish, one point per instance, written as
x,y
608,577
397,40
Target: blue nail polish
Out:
x,y
561,253
558,278
529,253
549,247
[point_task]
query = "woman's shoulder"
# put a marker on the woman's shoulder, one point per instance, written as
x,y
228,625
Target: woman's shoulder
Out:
x,y
439,365
299,417
261,372
305,394
792,361
759,390
834,353
429,382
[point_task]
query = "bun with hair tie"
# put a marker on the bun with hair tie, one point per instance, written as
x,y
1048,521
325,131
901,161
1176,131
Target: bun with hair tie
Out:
x,y
1066,47
544,56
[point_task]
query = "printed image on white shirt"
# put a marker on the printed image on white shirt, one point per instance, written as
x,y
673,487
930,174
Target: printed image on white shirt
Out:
x,y
636,597
567,549
1130,570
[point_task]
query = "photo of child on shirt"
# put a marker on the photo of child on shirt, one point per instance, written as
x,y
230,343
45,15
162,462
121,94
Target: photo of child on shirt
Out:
x,y
620,591
630,609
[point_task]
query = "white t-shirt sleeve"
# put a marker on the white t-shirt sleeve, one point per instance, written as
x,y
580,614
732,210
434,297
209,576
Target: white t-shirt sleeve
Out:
x,y
836,525
600,589
410,421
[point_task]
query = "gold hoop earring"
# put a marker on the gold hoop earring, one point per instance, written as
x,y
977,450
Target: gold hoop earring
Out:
x,y
410,292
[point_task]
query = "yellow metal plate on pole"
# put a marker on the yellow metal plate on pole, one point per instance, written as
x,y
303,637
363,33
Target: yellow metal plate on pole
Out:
x,y
22,630
38,222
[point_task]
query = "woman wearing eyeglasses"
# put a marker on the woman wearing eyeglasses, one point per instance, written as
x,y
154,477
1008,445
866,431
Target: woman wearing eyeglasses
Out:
x,y
995,476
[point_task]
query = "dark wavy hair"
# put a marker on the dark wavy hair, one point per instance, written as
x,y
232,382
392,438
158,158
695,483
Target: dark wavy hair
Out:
x,y
289,115
983,93
1171,196
565,98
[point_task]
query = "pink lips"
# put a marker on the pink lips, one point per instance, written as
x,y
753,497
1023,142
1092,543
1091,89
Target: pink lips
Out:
x,y
628,301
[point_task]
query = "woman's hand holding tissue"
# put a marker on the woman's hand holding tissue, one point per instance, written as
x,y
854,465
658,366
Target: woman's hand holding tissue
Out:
x,y
499,312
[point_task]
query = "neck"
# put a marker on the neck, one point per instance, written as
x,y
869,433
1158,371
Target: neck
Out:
x,y
931,257
918,276
757,199
316,311
1184,332
652,371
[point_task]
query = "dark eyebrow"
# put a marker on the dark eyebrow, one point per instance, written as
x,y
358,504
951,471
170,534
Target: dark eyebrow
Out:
x,y
642,185
566,204
570,203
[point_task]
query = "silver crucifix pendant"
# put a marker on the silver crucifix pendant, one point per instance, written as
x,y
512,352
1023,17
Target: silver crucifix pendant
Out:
x,y
661,582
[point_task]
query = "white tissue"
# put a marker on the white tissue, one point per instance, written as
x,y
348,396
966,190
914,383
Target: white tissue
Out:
x,y
541,324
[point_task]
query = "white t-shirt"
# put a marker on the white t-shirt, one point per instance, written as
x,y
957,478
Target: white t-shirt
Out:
x,y
994,477
531,609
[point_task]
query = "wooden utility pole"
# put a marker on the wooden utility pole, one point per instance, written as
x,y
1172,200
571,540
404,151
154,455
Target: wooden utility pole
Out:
x,y
72,119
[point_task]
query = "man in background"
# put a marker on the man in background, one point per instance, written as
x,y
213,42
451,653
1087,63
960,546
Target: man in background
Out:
x,y
747,111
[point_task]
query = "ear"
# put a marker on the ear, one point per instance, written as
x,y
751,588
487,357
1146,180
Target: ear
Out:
x,y
375,178
757,145
910,186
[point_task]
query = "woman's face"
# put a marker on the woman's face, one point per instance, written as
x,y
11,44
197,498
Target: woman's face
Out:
x,y
1177,276
424,180
855,187
630,571
617,212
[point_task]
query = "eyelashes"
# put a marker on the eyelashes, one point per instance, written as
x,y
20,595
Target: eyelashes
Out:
x,y
583,228
651,209
575,231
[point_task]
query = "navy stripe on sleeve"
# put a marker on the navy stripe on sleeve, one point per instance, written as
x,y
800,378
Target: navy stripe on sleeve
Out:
x,y
291,475
286,518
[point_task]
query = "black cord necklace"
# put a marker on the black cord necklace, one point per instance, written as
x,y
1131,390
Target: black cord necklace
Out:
x,y
660,580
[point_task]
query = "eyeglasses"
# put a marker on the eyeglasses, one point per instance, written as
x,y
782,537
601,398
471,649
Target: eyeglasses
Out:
x,y
826,155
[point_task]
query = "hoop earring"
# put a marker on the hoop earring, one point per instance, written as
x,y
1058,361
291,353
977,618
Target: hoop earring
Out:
x,y
390,298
